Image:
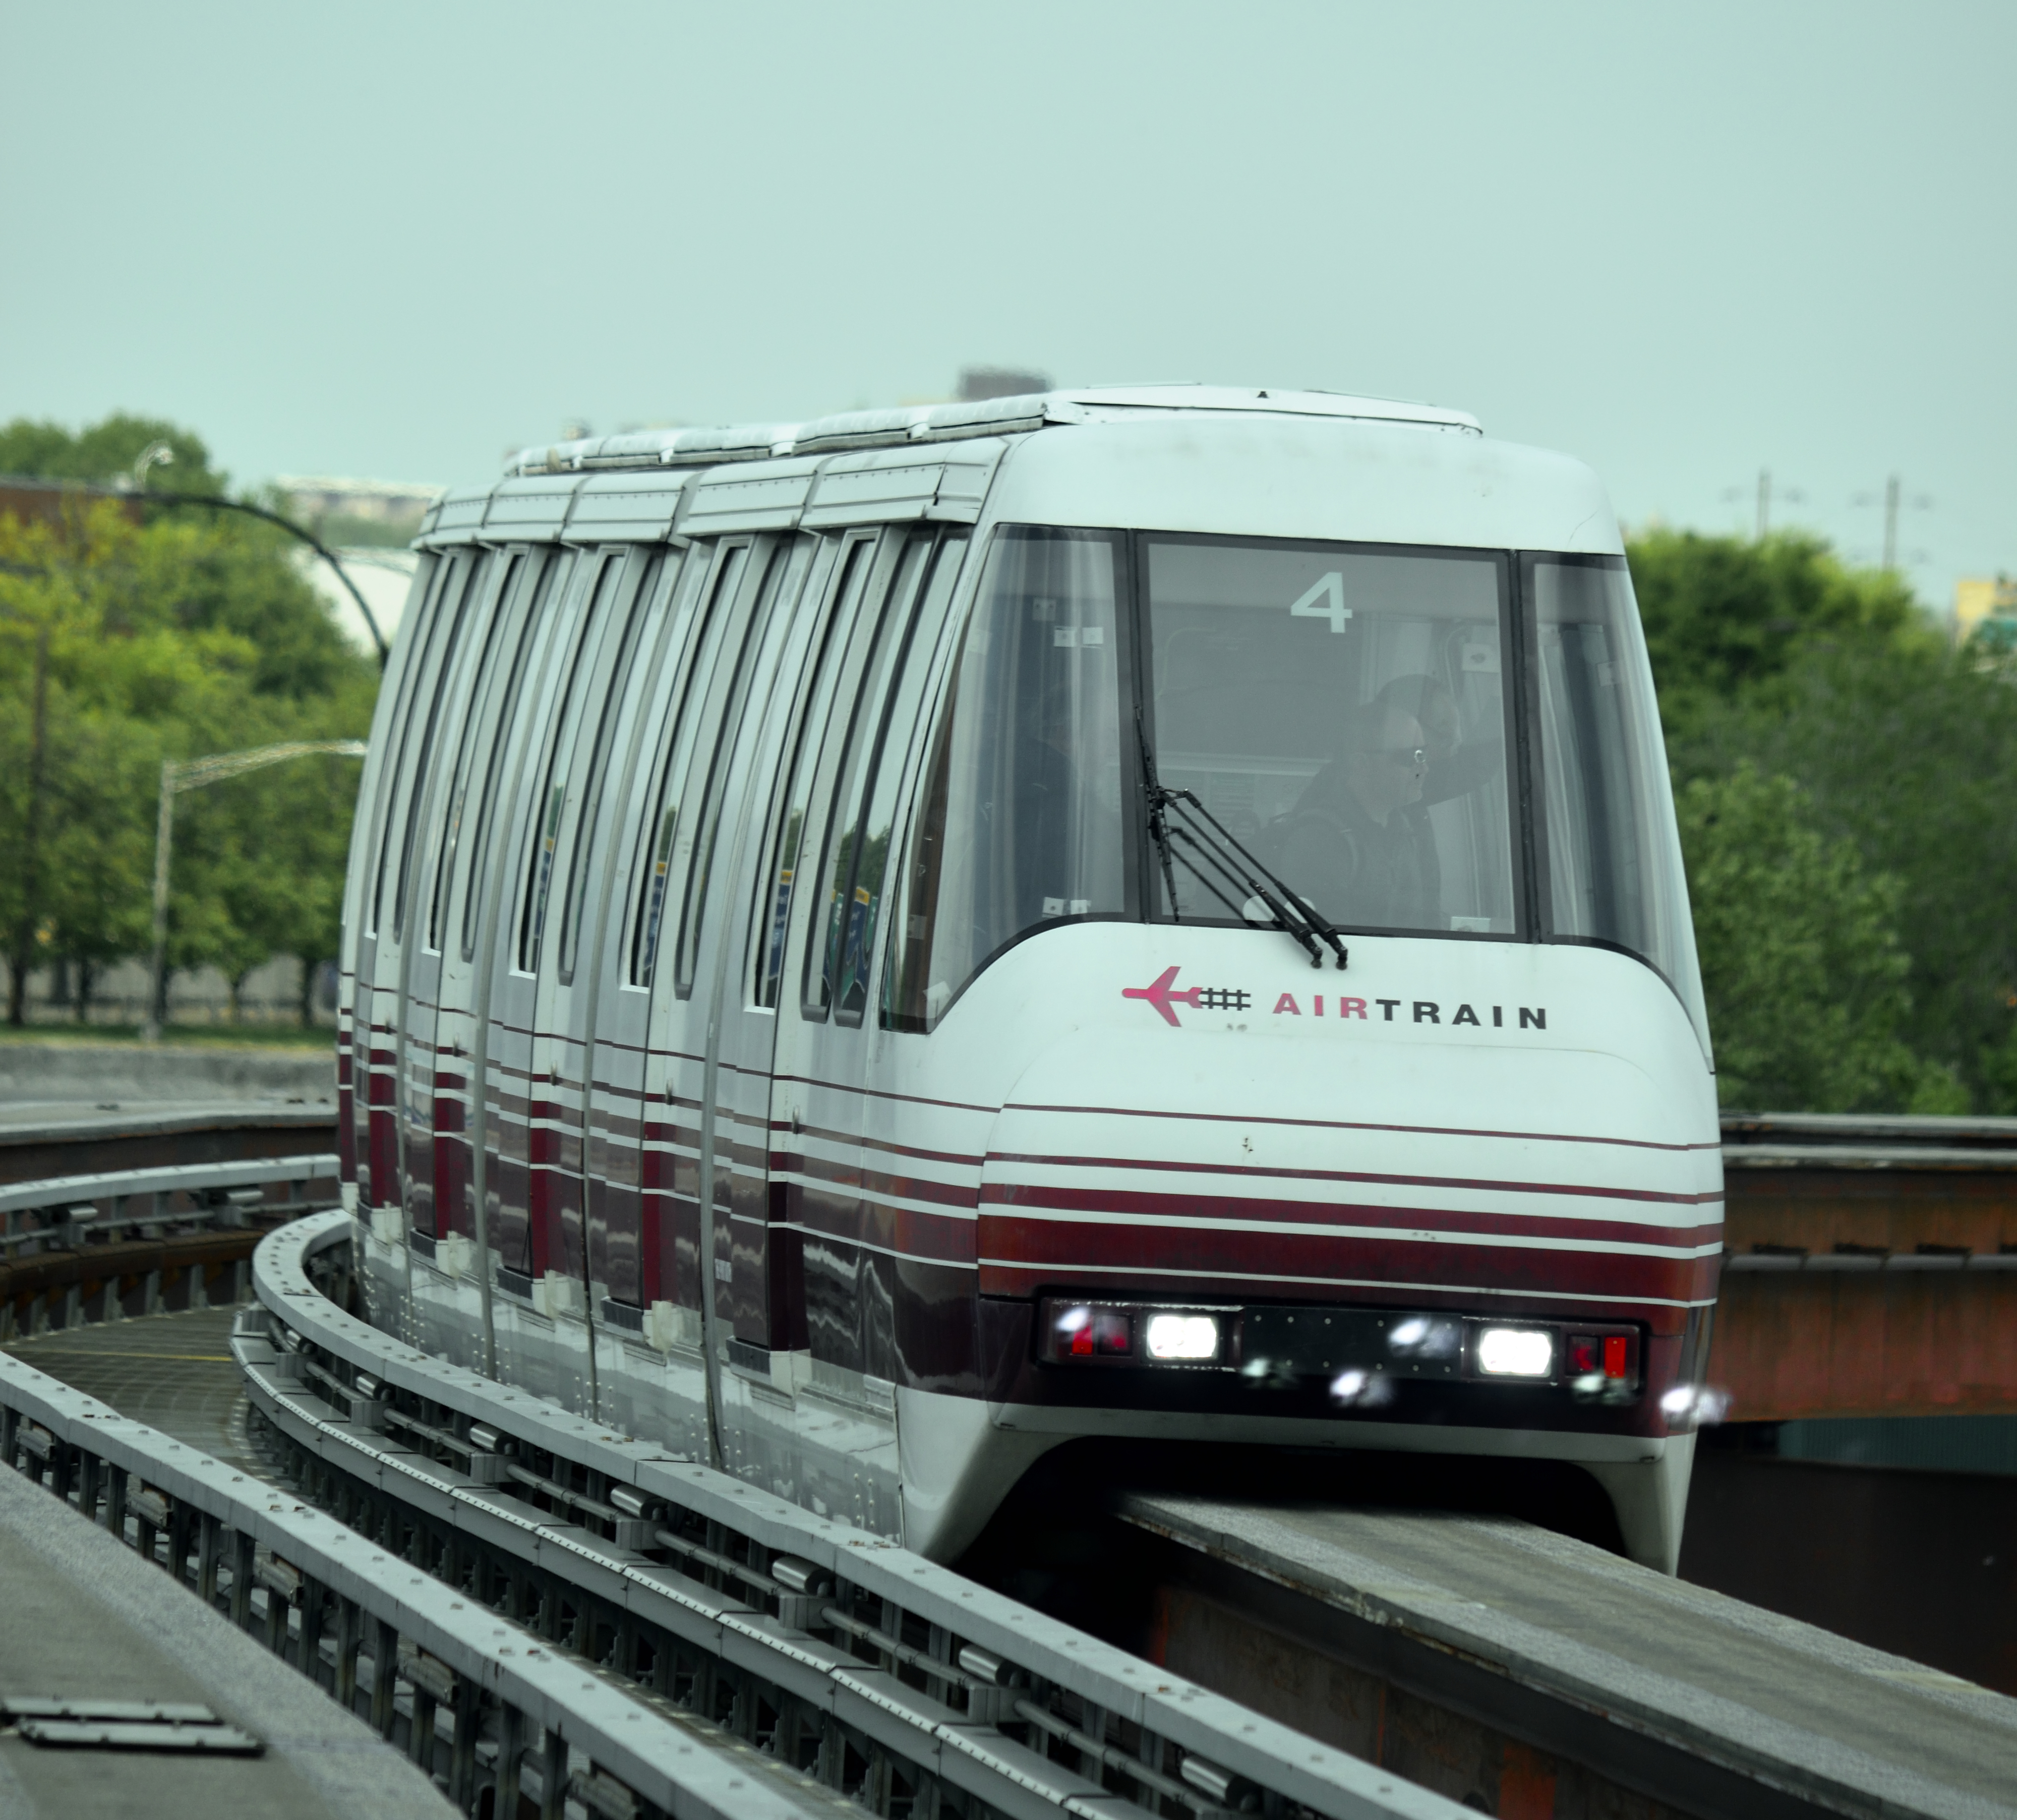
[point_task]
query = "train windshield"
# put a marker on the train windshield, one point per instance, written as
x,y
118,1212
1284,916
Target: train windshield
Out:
x,y
1341,713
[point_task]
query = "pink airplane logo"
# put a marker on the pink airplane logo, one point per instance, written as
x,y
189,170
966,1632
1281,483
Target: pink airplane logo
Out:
x,y
1162,995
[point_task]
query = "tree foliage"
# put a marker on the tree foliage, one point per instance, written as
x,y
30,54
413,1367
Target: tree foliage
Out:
x,y
104,453
1727,619
1848,789
122,645
1801,956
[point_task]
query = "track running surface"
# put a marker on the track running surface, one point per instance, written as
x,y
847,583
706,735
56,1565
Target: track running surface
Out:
x,y
172,1371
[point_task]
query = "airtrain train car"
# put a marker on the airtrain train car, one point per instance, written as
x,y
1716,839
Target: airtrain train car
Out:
x,y
877,947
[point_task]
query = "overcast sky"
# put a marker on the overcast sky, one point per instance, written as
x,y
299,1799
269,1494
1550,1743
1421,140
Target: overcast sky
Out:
x,y
1684,243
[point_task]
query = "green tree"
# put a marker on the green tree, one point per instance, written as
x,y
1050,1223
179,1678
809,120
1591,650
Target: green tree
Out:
x,y
1726,618
1911,758
1802,964
169,639
204,573
103,454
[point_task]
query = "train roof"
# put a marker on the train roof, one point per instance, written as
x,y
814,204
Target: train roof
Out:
x,y
994,416
1290,464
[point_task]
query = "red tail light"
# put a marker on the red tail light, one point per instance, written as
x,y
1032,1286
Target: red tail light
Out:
x,y
1615,1364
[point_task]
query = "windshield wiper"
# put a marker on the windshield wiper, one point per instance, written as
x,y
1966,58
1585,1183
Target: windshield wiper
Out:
x,y
1183,828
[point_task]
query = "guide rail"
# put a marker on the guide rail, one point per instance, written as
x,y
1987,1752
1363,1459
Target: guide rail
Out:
x,y
889,1679
475,1696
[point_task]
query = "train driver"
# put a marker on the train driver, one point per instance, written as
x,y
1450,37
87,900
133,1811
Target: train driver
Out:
x,y
1457,766
1349,843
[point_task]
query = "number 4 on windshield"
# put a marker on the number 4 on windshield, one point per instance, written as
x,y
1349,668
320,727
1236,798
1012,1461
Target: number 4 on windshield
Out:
x,y
1324,600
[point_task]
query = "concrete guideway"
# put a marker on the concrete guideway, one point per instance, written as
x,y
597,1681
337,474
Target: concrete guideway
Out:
x,y
470,1689
40,1141
1696,1700
89,1619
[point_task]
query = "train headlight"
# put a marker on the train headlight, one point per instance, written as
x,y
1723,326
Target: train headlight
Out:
x,y
1516,1352
1192,1338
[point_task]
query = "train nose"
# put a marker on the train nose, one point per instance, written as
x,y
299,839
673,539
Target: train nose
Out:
x,y
1223,1166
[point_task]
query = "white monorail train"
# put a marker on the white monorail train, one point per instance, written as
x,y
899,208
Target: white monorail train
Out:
x,y
1148,913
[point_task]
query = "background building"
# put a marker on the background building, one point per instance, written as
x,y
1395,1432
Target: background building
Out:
x,y
1979,599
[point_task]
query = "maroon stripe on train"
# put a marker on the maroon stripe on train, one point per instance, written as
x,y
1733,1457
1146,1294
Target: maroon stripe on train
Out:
x,y
1256,1171
1348,1124
892,1229
1057,1249
1216,1207
813,1170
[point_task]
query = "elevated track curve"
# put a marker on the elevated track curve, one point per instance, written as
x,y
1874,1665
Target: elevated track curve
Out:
x,y
1483,1681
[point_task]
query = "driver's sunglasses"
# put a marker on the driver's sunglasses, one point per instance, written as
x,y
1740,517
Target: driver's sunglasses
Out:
x,y
1410,757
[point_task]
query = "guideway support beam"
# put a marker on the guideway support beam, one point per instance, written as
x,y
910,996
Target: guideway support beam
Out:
x,y
1504,1665
1871,1268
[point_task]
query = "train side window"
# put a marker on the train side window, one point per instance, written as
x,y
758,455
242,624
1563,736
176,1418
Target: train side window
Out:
x,y
887,715
496,637
907,705
419,650
417,759
551,800
1613,859
431,840
1018,824
694,690
841,940
784,560
554,568
771,901
851,577
614,696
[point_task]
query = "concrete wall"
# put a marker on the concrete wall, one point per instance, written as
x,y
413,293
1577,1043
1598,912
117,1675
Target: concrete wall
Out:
x,y
272,994
92,1073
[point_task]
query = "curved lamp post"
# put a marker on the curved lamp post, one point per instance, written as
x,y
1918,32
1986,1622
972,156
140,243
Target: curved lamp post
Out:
x,y
321,549
193,773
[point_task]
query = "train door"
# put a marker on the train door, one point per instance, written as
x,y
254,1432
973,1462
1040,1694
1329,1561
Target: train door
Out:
x,y
454,1322
706,923
477,891
643,1223
388,1274
548,937
740,589
507,872
538,1151
835,1213
374,1005
614,1145
420,957
353,1027
770,1313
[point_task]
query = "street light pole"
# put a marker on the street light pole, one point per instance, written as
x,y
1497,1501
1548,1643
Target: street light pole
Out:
x,y
193,773
31,832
